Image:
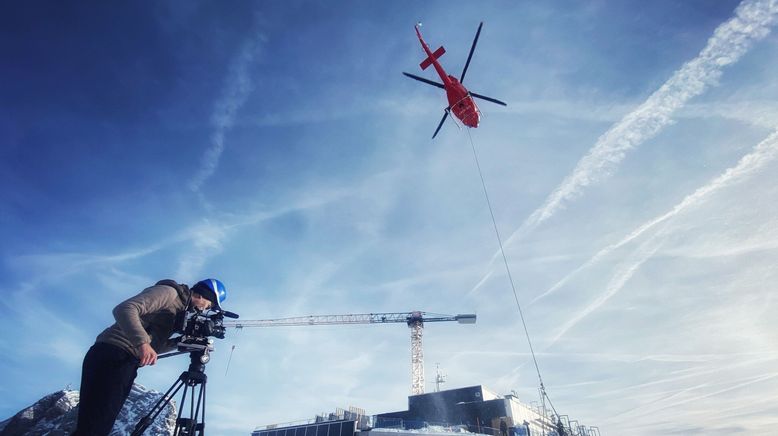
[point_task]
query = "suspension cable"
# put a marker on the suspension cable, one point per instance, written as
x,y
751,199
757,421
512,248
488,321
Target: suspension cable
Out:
x,y
507,269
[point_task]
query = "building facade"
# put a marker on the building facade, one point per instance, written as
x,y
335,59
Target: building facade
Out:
x,y
474,409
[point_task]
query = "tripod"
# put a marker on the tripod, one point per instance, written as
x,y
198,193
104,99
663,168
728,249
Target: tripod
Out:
x,y
193,377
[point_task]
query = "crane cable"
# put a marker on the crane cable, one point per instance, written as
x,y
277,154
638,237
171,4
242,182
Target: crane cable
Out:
x,y
232,350
229,360
508,270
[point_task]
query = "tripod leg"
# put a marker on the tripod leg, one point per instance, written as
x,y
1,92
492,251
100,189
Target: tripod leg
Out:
x,y
201,399
182,424
202,428
193,425
158,407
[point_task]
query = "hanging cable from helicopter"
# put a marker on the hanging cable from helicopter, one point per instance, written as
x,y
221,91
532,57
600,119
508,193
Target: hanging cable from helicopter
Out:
x,y
463,106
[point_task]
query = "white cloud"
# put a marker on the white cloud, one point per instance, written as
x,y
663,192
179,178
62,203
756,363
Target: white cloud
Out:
x,y
237,89
198,242
758,113
206,240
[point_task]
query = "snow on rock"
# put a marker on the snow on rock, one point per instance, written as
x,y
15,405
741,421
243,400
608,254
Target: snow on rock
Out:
x,y
56,414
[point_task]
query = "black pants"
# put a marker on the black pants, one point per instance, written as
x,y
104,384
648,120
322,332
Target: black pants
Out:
x,y
106,380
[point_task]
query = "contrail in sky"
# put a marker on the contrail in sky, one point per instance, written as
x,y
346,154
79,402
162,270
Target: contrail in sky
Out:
x,y
765,152
237,89
730,41
617,282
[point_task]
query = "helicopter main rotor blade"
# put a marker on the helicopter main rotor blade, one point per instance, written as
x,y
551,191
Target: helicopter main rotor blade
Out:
x,y
472,49
422,79
445,115
483,97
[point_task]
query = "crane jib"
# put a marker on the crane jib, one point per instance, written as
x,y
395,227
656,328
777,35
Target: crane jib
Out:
x,y
415,320
364,318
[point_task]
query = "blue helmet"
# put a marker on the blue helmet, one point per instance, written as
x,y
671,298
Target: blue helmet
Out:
x,y
213,290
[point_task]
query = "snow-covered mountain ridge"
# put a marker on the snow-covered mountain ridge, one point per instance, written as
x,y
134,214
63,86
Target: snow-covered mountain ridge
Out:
x,y
56,413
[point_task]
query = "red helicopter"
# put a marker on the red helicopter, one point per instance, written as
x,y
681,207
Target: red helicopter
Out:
x,y
460,100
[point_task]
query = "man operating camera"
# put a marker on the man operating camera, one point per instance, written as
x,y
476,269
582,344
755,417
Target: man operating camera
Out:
x,y
144,324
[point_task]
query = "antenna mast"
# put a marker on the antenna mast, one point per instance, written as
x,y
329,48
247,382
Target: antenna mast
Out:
x,y
439,378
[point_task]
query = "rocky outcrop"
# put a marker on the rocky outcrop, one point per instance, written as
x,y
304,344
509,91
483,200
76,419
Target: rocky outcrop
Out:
x,y
55,415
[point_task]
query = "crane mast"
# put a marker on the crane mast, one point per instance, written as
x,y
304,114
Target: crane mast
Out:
x,y
415,320
416,323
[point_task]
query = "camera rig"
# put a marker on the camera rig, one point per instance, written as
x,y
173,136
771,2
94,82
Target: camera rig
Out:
x,y
197,329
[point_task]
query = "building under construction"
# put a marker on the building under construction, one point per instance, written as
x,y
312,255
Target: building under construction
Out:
x,y
473,409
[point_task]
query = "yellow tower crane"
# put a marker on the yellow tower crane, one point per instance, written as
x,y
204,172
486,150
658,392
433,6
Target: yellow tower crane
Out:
x,y
415,320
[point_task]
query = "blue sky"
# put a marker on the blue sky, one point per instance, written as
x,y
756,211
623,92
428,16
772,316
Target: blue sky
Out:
x,y
276,146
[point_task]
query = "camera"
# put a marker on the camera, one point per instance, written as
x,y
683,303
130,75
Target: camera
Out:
x,y
196,325
203,324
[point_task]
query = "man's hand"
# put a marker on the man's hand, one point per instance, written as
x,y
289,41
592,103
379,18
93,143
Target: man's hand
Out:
x,y
147,355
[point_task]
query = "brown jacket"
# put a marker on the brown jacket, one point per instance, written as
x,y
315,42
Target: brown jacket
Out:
x,y
147,318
